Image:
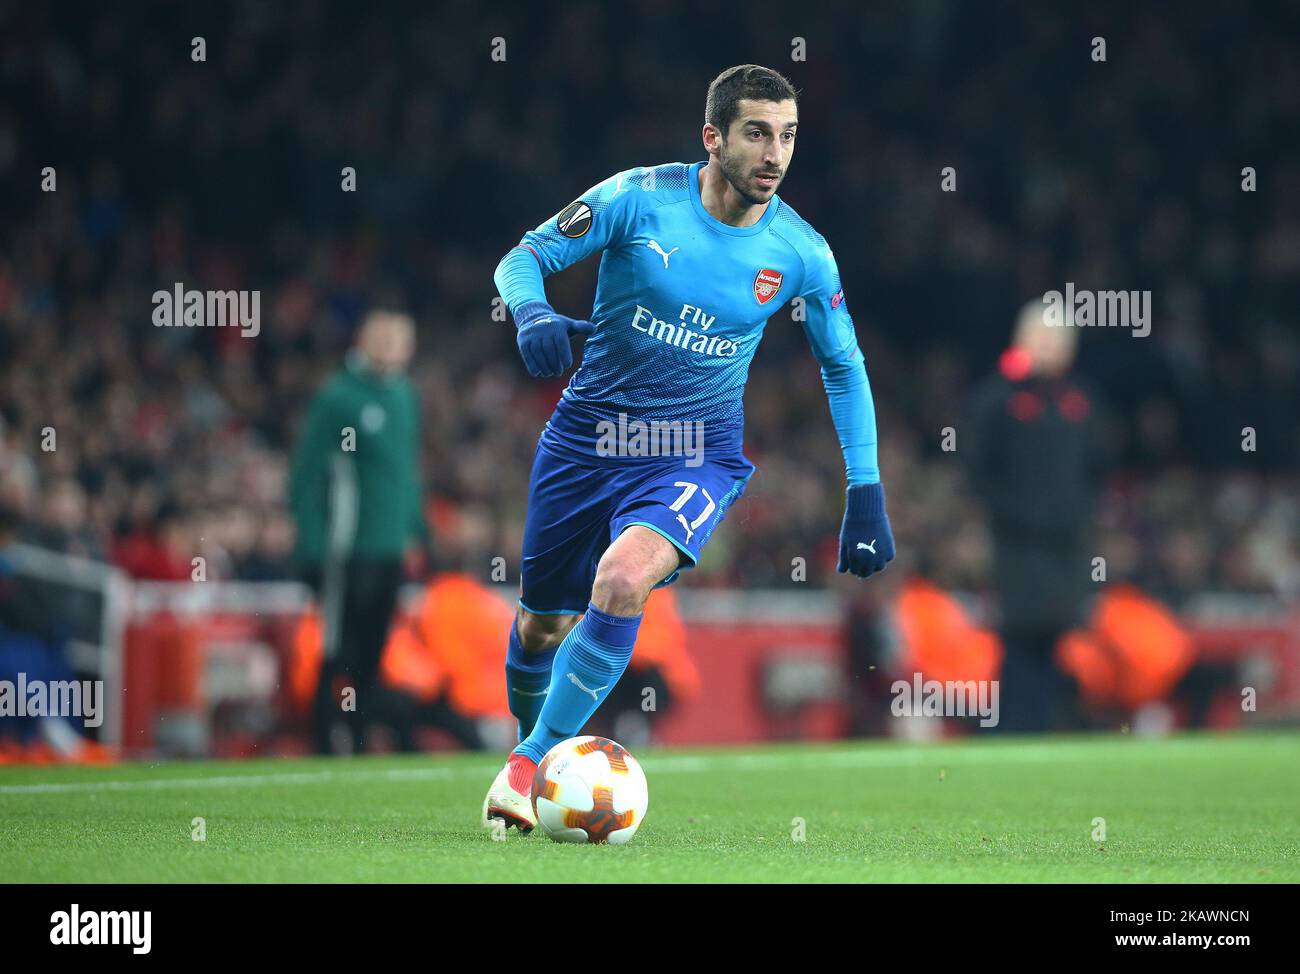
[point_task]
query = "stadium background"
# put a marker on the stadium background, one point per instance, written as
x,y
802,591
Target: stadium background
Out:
x,y
226,174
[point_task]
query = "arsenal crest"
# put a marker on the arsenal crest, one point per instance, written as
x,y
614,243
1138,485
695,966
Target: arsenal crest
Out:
x,y
766,284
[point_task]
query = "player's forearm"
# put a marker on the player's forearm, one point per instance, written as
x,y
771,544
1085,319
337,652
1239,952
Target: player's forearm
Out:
x,y
519,278
854,414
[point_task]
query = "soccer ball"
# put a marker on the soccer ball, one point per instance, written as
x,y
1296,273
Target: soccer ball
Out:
x,y
589,789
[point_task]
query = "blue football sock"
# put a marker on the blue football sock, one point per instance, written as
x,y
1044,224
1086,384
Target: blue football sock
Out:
x,y
528,677
587,665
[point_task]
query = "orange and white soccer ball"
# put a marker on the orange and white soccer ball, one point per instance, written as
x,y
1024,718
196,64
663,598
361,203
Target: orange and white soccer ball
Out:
x,y
590,789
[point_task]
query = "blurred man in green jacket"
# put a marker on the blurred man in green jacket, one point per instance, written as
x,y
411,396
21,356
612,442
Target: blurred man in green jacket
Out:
x,y
355,492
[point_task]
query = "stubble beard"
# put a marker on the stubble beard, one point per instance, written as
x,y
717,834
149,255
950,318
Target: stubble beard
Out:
x,y
737,176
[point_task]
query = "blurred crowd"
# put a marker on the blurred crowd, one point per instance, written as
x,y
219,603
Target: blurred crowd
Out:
x,y
147,446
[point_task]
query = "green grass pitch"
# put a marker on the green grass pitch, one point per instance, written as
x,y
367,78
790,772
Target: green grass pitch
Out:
x,y
1187,809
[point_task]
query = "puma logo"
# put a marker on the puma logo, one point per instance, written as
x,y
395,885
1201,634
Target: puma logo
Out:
x,y
868,547
687,527
578,683
654,245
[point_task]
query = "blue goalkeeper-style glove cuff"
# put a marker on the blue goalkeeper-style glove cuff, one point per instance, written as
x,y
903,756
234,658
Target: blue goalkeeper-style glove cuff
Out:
x,y
866,541
544,338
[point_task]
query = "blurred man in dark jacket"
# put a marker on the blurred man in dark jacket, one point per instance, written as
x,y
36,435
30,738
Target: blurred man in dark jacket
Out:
x,y
1033,443
356,497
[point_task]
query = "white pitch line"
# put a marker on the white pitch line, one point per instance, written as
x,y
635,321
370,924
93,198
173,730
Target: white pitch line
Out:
x,y
915,756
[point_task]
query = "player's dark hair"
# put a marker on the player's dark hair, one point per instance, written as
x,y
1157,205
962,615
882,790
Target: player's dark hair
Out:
x,y
751,81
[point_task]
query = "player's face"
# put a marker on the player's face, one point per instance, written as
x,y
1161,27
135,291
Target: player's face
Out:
x,y
757,150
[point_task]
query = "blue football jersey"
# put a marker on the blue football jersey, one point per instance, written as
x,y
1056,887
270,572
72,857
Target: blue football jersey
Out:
x,y
682,300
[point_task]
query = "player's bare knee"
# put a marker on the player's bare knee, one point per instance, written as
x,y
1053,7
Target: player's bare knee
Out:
x,y
621,587
538,633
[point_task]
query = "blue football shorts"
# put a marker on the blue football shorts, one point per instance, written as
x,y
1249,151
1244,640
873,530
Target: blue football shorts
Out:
x,y
576,509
